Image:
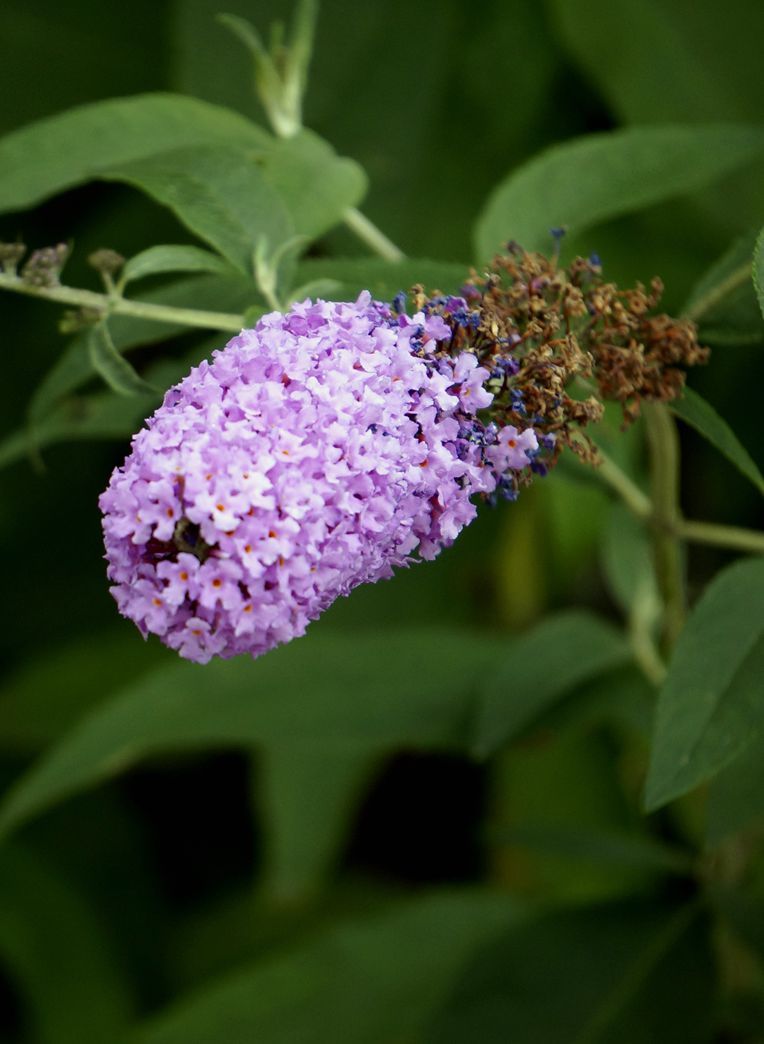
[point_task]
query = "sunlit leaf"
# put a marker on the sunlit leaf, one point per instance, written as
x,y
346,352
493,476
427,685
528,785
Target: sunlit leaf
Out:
x,y
591,179
61,151
161,259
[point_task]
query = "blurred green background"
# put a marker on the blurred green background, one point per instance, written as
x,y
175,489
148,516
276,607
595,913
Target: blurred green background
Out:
x,y
151,881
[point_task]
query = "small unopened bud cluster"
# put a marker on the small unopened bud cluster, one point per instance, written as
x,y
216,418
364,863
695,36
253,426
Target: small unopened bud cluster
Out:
x,y
10,256
106,262
43,267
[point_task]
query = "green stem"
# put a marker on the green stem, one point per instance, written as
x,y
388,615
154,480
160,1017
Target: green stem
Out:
x,y
111,304
667,548
734,537
717,293
635,500
372,236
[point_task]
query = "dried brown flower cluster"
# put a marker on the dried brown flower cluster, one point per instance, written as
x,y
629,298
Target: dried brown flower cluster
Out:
x,y
559,341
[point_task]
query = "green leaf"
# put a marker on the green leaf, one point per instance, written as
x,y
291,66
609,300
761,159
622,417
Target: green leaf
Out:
x,y
736,795
307,796
702,66
695,411
593,975
160,259
588,180
218,192
54,948
758,270
723,302
115,370
711,706
62,151
316,185
44,698
370,981
627,561
352,692
539,669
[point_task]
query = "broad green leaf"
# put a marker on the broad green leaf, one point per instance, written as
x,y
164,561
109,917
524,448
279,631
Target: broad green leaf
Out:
x,y
115,370
758,270
217,191
723,302
55,950
736,795
604,974
383,279
695,411
588,180
316,185
62,151
44,698
370,981
711,706
539,669
161,259
348,692
306,796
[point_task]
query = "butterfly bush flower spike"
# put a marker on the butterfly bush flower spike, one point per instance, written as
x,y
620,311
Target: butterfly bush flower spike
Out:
x,y
331,444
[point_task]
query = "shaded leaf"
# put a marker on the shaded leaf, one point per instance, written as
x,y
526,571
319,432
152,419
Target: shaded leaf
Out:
x,y
711,706
701,65
54,947
601,176
736,795
699,414
107,415
723,301
369,981
758,270
115,370
603,973
306,795
44,698
538,669
356,692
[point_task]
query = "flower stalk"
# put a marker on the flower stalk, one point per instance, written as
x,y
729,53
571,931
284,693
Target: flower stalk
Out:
x,y
103,305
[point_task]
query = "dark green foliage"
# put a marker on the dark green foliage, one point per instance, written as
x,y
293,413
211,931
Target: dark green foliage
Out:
x,y
192,855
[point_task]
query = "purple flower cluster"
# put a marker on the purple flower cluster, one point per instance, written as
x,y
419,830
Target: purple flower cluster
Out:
x,y
314,453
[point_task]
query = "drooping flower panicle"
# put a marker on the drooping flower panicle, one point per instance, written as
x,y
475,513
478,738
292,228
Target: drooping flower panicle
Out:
x,y
335,442
314,453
